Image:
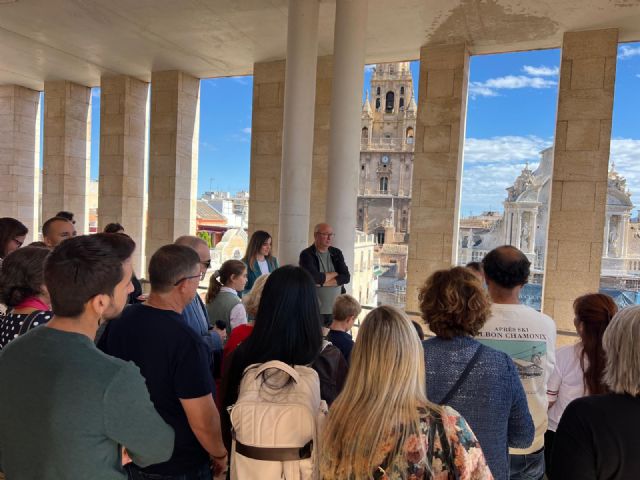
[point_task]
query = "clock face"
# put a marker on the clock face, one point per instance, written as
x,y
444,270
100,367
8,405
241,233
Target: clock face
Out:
x,y
385,159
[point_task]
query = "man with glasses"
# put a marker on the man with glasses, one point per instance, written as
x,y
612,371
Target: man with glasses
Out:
x,y
327,267
175,363
195,314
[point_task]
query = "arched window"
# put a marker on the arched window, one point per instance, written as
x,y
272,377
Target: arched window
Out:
x,y
402,104
401,90
379,237
409,135
365,134
390,102
378,91
377,104
384,184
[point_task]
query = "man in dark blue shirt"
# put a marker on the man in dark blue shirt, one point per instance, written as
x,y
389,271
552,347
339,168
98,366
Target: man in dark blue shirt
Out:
x,y
175,363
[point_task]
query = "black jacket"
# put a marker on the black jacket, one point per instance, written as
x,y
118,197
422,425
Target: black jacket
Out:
x,y
309,261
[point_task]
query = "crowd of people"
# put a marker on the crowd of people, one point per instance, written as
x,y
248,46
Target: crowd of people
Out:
x,y
262,379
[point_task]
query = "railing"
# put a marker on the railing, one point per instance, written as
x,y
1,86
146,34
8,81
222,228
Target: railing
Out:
x,y
385,193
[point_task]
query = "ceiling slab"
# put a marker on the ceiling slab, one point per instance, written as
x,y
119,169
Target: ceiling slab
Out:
x,y
81,40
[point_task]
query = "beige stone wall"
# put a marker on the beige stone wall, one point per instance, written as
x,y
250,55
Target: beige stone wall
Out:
x,y
581,159
266,146
123,110
67,146
444,72
318,203
173,158
19,155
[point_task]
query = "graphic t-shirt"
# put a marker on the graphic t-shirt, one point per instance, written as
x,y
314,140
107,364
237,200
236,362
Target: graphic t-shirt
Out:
x,y
529,338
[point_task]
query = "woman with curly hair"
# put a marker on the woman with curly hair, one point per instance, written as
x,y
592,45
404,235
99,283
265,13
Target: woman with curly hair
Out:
x,y
23,291
479,382
382,426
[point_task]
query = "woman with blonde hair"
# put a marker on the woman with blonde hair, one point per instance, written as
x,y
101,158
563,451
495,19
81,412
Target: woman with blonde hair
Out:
x,y
597,437
382,426
478,381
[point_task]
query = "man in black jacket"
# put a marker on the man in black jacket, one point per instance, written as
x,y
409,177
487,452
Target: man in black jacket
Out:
x,y
326,265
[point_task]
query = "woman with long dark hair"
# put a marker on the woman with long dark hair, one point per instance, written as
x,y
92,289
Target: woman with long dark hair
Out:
x,y
223,302
258,258
23,291
579,368
12,235
287,328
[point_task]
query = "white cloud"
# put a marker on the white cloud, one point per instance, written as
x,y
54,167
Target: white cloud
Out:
x,y
247,130
626,51
369,68
492,164
542,71
510,149
489,88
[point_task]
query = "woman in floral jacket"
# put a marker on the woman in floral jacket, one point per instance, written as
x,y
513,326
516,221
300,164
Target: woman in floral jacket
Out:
x,y
382,426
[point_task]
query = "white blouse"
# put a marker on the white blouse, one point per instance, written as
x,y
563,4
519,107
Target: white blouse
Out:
x,y
566,382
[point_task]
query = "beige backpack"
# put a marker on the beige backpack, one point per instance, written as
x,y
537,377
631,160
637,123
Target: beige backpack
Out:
x,y
276,423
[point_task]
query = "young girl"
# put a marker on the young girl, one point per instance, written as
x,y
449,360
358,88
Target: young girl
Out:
x,y
223,302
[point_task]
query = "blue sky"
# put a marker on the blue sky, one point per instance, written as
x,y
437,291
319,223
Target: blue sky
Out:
x,y
510,118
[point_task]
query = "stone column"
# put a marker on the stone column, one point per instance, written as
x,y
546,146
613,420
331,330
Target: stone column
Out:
x,y
297,137
123,122
437,165
580,171
320,166
266,146
346,108
19,156
605,248
67,148
173,158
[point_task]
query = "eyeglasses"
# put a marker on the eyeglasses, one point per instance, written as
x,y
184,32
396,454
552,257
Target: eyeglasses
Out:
x,y
328,235
206,264
18,242
200,276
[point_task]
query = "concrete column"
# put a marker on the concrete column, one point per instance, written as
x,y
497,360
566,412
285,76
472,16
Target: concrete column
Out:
x,y
123,123
605,249
173,158
297,138
67,148
580,170
346,108
19,156
437,165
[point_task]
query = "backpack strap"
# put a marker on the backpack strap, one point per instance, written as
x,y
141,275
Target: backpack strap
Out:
x,y
289,370
463,376
27,323
275,454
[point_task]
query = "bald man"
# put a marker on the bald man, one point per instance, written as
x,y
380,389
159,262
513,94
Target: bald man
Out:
x,y
326,265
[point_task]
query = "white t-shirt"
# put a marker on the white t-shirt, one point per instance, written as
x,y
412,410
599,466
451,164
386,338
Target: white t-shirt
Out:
x,y
529,338
264,267
566,382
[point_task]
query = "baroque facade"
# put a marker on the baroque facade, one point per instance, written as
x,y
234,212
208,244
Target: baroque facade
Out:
x,y
386,155
525,221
